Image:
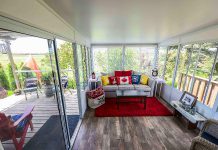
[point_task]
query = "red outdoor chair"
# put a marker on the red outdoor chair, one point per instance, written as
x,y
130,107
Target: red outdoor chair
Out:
x,y
13,127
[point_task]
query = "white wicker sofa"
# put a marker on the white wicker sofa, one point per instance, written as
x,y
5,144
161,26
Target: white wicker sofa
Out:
x,y
148,90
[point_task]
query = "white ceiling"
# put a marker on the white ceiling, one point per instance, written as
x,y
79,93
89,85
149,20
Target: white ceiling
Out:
x,y
135,21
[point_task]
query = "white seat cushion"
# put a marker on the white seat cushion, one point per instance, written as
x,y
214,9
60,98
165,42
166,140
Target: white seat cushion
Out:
x,y
110,88
141,87
126,87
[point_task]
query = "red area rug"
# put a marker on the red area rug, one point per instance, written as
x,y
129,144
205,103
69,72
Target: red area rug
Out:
x,y
153,108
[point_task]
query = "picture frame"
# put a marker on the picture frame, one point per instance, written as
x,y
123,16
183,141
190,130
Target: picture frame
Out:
x,y
188,99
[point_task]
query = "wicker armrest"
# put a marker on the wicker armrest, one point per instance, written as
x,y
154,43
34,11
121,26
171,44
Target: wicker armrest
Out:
x,y
199,143
211,126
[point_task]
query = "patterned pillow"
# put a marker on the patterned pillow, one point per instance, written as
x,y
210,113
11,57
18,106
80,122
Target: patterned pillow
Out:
x,y
136,79
112,80
95,93
124,80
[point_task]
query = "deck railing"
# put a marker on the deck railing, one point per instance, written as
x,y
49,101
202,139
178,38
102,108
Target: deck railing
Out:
x,y
199,87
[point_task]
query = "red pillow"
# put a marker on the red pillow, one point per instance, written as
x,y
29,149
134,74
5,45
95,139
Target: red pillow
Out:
x,y
124,80
118,73
112,80
127,73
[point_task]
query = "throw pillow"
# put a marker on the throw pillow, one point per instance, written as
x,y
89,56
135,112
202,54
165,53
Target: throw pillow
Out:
x,y
118,73
105,80
112,80
136,79
127,73
124,80
144,79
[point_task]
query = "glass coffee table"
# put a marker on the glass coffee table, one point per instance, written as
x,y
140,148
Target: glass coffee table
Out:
x,y
123,96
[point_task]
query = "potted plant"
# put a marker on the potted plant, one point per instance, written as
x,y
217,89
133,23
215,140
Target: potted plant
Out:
x,y
47,82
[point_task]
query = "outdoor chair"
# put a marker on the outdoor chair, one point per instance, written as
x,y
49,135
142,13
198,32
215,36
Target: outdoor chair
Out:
x,y
13,127
64,82
208,137
31,85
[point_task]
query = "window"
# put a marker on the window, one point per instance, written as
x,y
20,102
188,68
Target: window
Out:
x,y
65,56
202,74
184,57
107,59
170,64
140,59
161,60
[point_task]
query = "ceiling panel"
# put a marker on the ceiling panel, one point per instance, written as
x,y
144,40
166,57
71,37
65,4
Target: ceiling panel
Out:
x,y
135,21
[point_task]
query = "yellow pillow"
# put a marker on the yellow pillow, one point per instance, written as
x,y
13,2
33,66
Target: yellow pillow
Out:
x,y
144,79
105,80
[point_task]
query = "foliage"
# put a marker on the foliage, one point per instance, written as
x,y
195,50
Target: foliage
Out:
x,y
3,79
47,78
65,56
202,61
11,77
10,93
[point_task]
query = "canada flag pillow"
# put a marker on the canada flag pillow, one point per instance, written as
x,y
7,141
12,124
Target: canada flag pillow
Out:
x,y
124,80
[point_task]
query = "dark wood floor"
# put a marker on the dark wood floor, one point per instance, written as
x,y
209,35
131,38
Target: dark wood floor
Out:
x,y
133,133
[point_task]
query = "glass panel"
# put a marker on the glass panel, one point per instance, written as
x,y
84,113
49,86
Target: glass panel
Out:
x,y
184,57
107,59
68,80
203,71
161,60
140,59
170,64
29,67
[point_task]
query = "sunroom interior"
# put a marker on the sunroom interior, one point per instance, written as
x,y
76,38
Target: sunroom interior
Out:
x,y
68,42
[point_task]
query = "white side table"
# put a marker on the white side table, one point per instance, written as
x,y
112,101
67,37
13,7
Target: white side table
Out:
x,y
158,81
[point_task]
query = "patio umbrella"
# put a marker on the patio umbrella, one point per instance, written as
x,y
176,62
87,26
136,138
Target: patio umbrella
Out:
x,y
31,63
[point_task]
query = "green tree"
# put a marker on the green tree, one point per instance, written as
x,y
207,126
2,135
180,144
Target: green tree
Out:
x,y
11,77
3,78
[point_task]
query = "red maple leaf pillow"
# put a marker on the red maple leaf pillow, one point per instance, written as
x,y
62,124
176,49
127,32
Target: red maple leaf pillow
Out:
x,y
112,80
124,80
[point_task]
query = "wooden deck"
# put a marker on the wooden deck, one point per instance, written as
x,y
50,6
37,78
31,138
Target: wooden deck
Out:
x,y
44,108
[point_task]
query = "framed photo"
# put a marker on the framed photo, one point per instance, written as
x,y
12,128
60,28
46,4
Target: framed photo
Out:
x,y
188,99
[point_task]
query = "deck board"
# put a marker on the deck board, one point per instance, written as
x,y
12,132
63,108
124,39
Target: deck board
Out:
x,y
44,109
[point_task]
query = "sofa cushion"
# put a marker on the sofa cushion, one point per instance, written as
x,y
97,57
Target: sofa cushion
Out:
x,y
124,80
144,79
112,80
141,87
118,73
136,79
209,137
110,88
127,73
126,87
105,80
